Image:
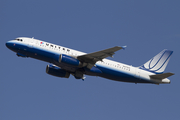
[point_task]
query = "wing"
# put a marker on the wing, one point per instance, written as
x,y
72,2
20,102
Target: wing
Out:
x,y
90,59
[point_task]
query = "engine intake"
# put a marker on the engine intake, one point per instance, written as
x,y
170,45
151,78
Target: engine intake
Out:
x,y
56,71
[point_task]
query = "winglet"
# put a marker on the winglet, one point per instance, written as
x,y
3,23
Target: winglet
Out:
x,y
123,47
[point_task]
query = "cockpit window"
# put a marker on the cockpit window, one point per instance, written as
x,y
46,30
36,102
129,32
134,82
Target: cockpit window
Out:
x,y
19,39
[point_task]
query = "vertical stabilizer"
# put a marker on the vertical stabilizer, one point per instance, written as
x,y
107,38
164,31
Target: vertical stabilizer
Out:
x,y
158,63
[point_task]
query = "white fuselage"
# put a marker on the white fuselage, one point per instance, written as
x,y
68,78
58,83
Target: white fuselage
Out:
x,y
110,69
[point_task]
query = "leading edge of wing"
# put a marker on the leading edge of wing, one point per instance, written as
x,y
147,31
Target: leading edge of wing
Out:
x,y
99,55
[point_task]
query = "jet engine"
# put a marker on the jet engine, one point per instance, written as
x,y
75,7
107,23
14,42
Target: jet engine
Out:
x,y
69,60
56,71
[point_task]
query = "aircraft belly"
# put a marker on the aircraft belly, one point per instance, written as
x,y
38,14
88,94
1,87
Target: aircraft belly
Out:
x,y
40,54
119,75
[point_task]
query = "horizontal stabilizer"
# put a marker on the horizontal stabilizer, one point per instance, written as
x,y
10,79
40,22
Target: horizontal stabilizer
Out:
x,y
161,76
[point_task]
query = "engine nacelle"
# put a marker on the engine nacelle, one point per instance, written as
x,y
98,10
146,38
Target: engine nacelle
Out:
x,y
56,71
69,60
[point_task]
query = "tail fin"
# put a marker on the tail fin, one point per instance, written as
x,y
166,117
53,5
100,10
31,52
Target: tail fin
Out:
x,y
158,63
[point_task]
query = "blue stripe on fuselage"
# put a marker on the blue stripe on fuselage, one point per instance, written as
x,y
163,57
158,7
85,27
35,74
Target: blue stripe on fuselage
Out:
x,y
41,54
118,75
51,57
34,52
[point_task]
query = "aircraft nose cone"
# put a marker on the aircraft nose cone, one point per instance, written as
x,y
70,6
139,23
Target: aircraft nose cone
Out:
x,y
9,44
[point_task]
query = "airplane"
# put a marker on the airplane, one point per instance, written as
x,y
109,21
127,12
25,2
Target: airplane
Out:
x,y
64,61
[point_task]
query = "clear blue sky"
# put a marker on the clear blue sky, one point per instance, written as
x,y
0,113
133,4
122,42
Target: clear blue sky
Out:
x,y
146,27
